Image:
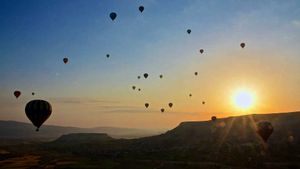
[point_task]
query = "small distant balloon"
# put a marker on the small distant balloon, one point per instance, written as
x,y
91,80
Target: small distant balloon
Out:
x,y
201,51
146,105
146,75
107,55
161,76
139,89
162,110
66,60
170,105
190,95
243,44
203,102
139,77
213,118
32,93
17,93
188,31
141,9
265,129
113,15
133,87
196,73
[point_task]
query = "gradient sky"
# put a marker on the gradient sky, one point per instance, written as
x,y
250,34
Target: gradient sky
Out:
x,y
92,90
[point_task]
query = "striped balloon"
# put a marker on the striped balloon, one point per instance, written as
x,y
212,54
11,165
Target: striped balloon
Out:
x,y
38,111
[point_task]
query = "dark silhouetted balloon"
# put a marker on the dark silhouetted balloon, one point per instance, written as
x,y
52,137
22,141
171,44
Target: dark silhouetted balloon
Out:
x,y
188,31
32,93
139,77
196,73
203,102
38,111
190,95
201,51
139,89
161,76
170,105
146,75
17,93
162,110
113,15
133,87
66,60
213,118
264,129
243,45
141,9
146,105
107,55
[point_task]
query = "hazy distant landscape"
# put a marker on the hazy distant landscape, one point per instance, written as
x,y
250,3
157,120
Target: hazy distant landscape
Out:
x,y
227,143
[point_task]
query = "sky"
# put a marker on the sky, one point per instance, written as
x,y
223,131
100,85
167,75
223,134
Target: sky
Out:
x,y
92,90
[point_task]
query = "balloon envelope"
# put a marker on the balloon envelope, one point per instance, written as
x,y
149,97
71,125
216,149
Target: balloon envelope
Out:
x,y
65,60
243,45
113,15
213,118
188,31
170,105
107,55
38,111
17,93
146,75
201,51
133,87
162,110
146,105
264,129
141,8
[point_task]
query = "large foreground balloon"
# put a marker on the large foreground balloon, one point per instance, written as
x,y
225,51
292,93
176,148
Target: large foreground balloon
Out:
x,y
113,15
38,111
243,45
17,93
264,129
141,9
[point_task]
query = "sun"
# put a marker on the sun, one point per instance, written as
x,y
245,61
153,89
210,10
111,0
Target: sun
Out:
x,y
243,99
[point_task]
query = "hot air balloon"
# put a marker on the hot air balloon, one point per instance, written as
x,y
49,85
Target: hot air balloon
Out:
x,y
242,44
201,51
264,129
38,111
146,75
162,110
139,77
141,9
170,105
203,102
196,73
17,93
213,118
146,105
113,15
161,76
65,60
107,55
133,87
32,93
188,31
139,89
190,95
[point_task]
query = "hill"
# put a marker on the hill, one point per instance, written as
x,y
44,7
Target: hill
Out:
x,y
20,130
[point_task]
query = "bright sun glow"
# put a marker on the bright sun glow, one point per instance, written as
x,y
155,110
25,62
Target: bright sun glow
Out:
x,y
243,99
